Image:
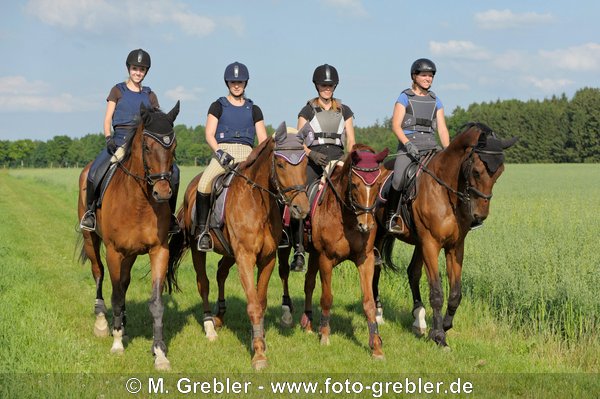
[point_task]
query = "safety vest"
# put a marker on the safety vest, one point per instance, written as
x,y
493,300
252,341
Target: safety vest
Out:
x,y
327,127
236,124
421,112
127,110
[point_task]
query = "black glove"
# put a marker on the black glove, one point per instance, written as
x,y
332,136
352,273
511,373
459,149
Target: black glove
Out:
x,y
111,146
412,150
224,158
318,158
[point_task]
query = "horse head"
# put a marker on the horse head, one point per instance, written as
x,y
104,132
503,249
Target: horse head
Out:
x,y
289,170
158,143
481,169
366,174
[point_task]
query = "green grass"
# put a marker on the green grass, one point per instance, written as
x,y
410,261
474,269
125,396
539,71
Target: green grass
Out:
x,y
529,318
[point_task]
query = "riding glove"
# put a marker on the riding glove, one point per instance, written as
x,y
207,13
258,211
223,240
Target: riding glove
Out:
x,y
412,150
224,158
318,158
111,146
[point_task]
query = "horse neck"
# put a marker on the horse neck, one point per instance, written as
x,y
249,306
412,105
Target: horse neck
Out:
x,y
134,162
339,183
261,169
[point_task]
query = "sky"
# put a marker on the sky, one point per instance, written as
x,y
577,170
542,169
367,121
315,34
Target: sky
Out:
x,y
60,58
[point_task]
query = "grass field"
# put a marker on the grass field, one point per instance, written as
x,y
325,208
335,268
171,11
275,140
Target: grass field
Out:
x,y
527,326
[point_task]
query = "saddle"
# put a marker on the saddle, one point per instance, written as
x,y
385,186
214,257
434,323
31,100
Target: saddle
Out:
x,y
409,189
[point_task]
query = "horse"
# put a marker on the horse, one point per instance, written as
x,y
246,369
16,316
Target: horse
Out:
x,y
133,220
453,196
343,226
274,173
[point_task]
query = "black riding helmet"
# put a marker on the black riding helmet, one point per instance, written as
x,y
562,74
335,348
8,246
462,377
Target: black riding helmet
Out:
x,y
138,57
325,75
422,65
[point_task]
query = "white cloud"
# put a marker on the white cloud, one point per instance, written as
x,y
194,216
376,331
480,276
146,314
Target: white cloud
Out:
x,y
100,16
579,58
548,86
459,49
183,94
506,19
353,7
17,94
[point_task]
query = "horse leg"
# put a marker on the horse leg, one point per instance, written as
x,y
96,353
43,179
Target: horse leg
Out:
x,y
309,287
378,304
254,308
436,295
91,247
158,263
414,271
222,273
366,271
287,307
120,277
454,259
203,285
325,272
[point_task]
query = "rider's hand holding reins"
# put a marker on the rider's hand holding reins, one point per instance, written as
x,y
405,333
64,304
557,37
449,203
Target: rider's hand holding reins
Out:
x,y
318,158
224,158
111,146
412,150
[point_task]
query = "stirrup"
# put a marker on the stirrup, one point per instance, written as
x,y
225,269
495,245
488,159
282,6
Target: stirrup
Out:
x,y
174,227
210,246
285,240
299,255
92,216
393,227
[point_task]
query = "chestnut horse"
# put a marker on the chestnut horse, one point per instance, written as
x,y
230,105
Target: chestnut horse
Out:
x,y
453,196
134,220
343,226
274,172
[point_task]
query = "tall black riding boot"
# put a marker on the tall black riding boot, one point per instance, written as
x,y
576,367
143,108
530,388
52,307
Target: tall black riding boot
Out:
x,y
297,235
88,221
202,208
392,211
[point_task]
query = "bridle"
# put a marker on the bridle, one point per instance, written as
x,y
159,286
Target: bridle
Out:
x,y
350,203
166,141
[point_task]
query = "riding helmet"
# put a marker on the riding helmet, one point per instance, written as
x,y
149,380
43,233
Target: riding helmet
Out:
x,y
138,57
325,75
422,65
236,72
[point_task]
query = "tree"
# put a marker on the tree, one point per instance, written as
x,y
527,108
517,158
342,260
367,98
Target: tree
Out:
x,y
584,124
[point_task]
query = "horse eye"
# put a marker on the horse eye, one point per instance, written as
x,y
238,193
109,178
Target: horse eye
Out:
x,y
476,174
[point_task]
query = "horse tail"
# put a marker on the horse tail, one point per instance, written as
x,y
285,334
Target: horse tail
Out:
x,y
82,257
386,249
178,246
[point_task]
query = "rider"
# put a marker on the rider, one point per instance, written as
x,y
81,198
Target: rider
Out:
x,y
123,114
418,113
330,130
232,124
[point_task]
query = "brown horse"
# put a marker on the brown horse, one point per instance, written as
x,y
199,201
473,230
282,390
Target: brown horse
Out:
x,y
343,227
134,220
274,172
453,196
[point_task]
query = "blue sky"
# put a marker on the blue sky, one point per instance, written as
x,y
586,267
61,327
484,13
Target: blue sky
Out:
x,y
61,57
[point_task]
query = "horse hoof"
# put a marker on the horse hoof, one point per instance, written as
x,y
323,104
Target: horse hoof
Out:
x,y
101,327
325,340
287,320
446,349
209,330
117,349
259,364
418,331
161,363
378,356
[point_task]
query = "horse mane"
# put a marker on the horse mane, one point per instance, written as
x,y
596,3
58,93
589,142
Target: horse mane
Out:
x,y
256,153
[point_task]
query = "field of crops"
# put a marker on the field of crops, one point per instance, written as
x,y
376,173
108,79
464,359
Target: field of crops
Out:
x,y
527,326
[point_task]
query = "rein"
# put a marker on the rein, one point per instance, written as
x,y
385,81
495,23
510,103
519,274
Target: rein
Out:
x,y
354,207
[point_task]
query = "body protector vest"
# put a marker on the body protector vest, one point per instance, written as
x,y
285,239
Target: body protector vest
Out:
x,y
421,112
236,124
127,110
326,127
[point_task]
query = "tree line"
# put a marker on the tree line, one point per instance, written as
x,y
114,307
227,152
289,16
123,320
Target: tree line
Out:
x,y
554,130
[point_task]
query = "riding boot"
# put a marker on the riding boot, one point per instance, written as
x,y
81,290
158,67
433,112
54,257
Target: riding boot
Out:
x,y
392,211
203,234
88,221
174,227
297,230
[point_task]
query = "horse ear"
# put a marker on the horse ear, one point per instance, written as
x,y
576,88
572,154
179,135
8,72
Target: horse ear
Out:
x,y
509,142
355,157
382,155
280,133
174,112
144,113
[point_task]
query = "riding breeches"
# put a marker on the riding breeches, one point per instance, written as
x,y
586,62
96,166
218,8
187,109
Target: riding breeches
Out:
x,y
239,152
424,142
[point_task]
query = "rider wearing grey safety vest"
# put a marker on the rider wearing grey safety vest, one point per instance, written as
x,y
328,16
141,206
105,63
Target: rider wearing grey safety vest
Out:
x,y
232,124
418,114
330,130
